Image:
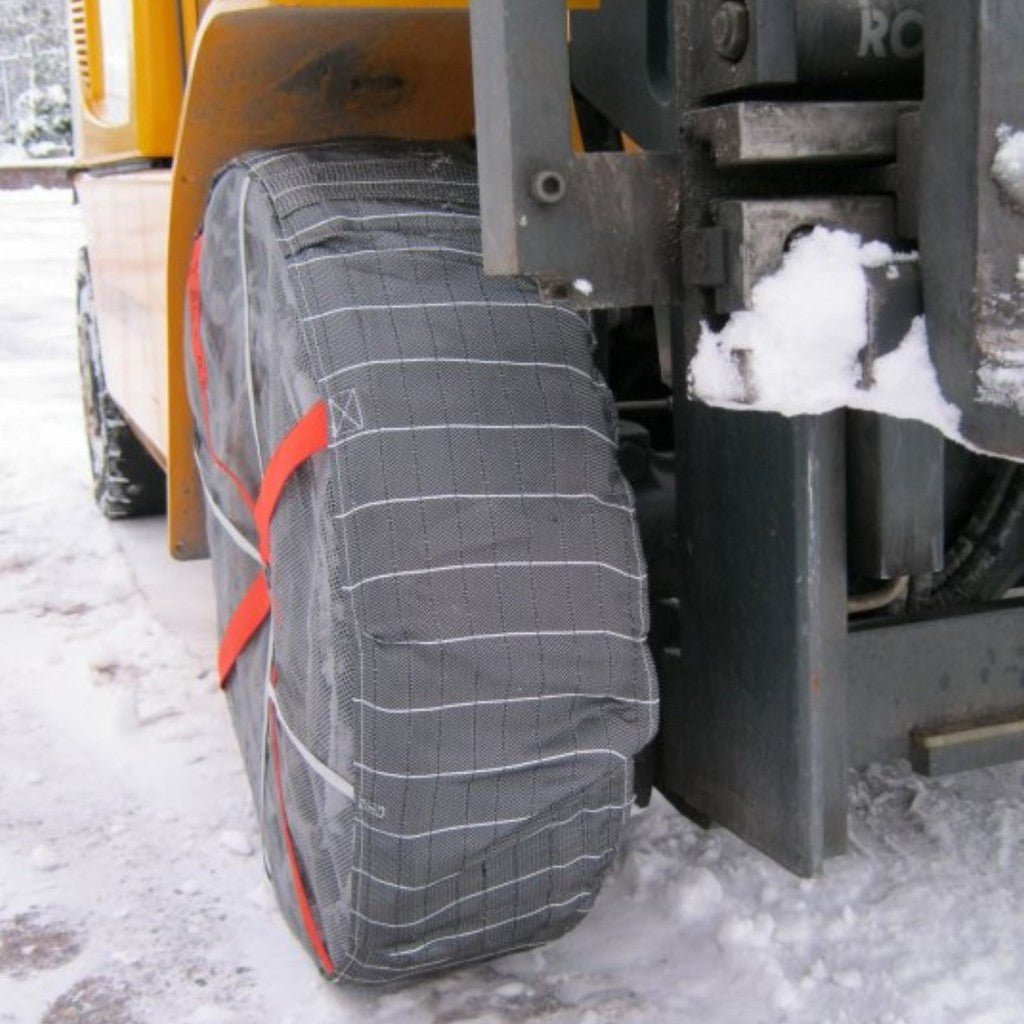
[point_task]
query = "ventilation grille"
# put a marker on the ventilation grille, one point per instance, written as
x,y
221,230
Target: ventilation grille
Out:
x,y
80,38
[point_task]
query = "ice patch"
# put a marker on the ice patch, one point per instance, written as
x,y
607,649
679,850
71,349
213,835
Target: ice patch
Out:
x,y
699,895
511,990
44,858
850,980
797,350
236,842
747,932
210,1013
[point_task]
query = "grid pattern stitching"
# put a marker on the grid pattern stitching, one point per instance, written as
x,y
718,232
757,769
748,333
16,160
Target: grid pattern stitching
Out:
x,y
460,606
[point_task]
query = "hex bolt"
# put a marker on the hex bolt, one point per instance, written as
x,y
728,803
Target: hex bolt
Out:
x,y
548,187
730,30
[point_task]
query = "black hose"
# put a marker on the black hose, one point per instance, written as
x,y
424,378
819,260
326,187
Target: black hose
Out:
x,y
976,553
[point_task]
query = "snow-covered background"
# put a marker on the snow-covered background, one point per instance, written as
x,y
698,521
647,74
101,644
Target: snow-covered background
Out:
x,y
129,889
35,111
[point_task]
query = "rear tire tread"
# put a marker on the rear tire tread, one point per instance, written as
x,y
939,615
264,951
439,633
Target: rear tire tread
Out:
x,y
127,480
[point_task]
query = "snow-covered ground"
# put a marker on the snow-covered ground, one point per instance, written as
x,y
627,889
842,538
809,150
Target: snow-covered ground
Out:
x,y
130,892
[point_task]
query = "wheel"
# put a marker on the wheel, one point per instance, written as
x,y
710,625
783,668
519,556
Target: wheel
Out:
x,y
127,481
440,706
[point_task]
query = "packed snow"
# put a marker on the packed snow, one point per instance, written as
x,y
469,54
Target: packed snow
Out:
x,y
797,350
1008,165
130,892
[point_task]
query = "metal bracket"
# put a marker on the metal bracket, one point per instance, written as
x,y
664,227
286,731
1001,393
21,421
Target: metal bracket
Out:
x,y
838,43
746,44
781,133
596,229
758,231
971,232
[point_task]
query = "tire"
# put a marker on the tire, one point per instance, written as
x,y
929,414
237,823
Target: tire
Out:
x,y
440,736
127,481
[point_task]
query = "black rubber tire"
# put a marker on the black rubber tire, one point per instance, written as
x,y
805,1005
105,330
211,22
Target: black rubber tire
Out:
x,y
481,409
127,480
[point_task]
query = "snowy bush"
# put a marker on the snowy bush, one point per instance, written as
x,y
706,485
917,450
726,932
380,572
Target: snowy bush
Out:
x,y
43,126
33,61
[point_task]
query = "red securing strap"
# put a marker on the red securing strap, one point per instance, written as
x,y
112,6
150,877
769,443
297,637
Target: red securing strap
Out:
x,y
305,439
250,614
308,921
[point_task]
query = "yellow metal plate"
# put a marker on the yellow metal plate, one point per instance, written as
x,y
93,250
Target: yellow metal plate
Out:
x,y
126,223
267,73
157,62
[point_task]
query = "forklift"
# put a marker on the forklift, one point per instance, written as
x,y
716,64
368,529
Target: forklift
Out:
x,y
819,592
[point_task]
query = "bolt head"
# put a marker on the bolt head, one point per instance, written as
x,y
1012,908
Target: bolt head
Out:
x,y
730,30
548,187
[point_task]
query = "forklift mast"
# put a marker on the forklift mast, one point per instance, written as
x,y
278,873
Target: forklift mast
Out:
x,y
755,121
827,590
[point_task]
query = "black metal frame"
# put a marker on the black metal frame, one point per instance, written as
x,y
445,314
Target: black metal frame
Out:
x,y
760,118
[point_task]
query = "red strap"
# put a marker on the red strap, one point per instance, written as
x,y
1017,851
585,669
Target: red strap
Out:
x,y
195,308
250,614
305,439
308,921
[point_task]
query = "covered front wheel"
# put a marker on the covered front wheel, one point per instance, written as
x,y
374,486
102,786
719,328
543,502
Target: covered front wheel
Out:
x,y
428,569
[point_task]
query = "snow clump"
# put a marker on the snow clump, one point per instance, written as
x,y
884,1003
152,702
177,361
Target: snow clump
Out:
x,y
1008,166
797,350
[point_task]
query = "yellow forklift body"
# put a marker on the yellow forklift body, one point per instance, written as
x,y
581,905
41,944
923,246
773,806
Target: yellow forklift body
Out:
x,y
268,74
130,75
126,225
259,73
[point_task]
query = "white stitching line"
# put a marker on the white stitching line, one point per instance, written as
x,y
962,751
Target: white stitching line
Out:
x,y
383,252
430,571
336,184
407,969
489,824
486,891
370,218
573,817
524,634
236,535
456,705
496,924
268,687
456,304
425,427
442,831
458,361
246,332
353,610
331,777
413,969
269,158
495,769
643,622
553,496
406,888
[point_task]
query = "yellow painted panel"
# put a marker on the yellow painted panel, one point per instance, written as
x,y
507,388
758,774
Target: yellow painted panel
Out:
x,y
155,85
576,5
267,74
192,10
127,217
